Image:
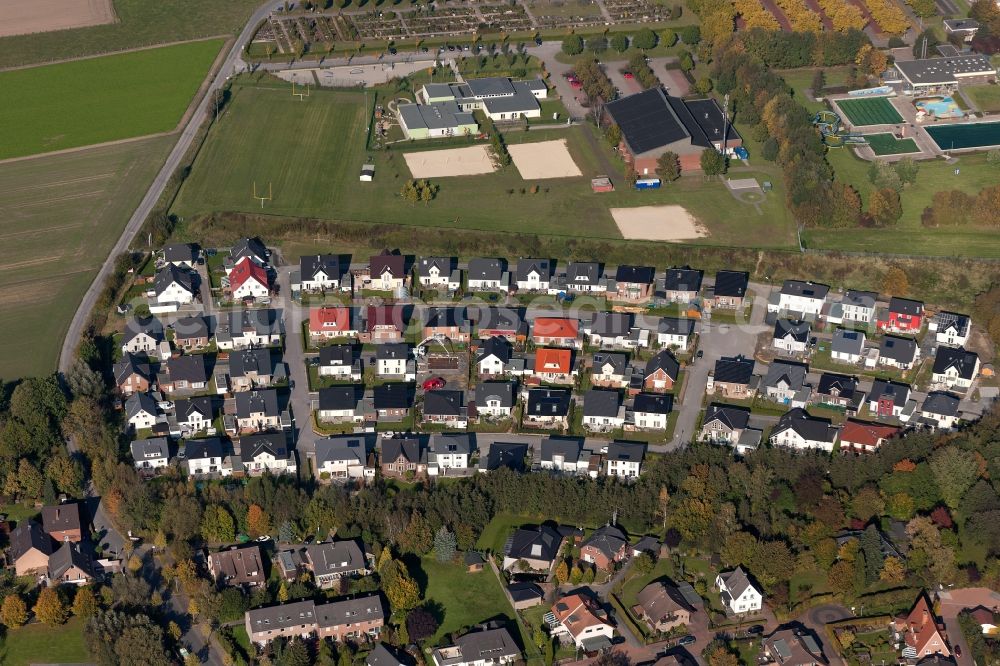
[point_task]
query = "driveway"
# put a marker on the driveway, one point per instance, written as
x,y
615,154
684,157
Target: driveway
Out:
x,y
300,401
547,54
952,603
673,79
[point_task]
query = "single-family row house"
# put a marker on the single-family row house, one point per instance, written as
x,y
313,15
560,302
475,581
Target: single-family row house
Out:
x,y
340,363
533,274
341,404
854,307
955,368
547,408
902,316
675,333
634,284
791,336
729,289
449,452
565,455
624,459
330,323
345,458
610,370
682,285
445,407
248,328
603,410
887,399
865,437
805,299
323,272
796,429
346,619
950,328
494,400
439,273
556,332
847,346
248,281
732,377
615,330
174,285
730,425
267,453
578,617
488,274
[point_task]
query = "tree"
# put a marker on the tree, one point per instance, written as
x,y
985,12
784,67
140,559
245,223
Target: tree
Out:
x,y
686,61
769,149
885,207
907,170
689,34
258,522
644,39
13,612
720,656
572,45
713,163
668,37
217,525
818,82
619,42
174,630
895,282
295,654
871,549
575,576
282,592
643,564
704,85
49,608
668,166
84,603
420,624
399,587
841,577
445,545
867,503
955,470
562,572
893,571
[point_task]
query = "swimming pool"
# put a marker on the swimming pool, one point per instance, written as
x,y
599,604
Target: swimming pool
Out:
x,y
965,135
939,107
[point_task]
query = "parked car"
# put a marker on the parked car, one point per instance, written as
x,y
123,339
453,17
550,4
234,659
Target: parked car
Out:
x,y
434,383
755,630
686,640
628,75
958,651
700,354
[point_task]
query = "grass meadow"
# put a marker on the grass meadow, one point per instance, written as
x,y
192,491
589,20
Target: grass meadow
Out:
x,y
311,153
59,216
101,99
38,643
141,23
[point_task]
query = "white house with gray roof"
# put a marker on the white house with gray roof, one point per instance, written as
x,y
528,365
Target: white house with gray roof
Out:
x,y
439,272
799,297
847,346
796,429
739,595
448,452
344,458
950,328
488,274
564,454
490,647
498,97
495,399
173,285
435,120
150,454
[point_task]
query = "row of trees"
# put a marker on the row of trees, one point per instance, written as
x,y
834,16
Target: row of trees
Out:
x,y
643,74
643,39
782,50
843,15
956,208
755,15
889,17
800,16
594,81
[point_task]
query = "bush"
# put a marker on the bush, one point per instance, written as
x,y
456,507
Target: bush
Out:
x,y
572,45
689,34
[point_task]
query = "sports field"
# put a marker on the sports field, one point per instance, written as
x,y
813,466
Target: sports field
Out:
x,y
139,24
887,144
101,99
311,153
869,111
59,216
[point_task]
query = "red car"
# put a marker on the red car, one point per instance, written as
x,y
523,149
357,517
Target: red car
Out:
x,y
434,383
628,75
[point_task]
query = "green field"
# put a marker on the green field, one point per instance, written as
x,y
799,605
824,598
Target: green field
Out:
x,y
38,644
311,153
466,598
887,144
140,24
909,236
102,99
801,79
59,216
986,97
869,111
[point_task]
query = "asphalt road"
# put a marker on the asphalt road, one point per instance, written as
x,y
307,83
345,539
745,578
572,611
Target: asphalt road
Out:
x,y
231,64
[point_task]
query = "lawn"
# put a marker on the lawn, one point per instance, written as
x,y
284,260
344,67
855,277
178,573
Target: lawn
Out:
x,y
38,643
869,111
269,137
464,598
887,144
986,97
909,236
59,216
101,99
801,79
496,531
140,24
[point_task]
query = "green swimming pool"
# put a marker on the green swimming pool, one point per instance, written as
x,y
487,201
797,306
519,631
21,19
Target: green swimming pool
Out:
x,y
965,135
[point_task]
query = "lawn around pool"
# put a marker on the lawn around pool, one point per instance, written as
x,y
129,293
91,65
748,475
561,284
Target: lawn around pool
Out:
x,y
83,102
40,644
986,98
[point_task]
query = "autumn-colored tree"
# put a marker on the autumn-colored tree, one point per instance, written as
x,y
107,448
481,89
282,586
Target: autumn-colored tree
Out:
x,y
895,282
867,503
987,208
258,522
870,60
840,578
904,465
282,592
49,609
174,630
893,570
399,587
663,504
134,564
900,506
13,612
720,656
885,207
562,572
84,603
738,549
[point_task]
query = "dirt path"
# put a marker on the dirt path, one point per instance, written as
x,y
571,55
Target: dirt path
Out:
x,y
779,15
813,5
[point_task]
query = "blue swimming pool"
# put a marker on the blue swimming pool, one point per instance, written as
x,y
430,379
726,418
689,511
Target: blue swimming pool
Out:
x,y
940,107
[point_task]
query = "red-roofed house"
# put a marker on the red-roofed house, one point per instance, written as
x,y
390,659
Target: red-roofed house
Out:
x,y
554,366
330,322
584,621
862,437
248,280
556,332
902,316
920,632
